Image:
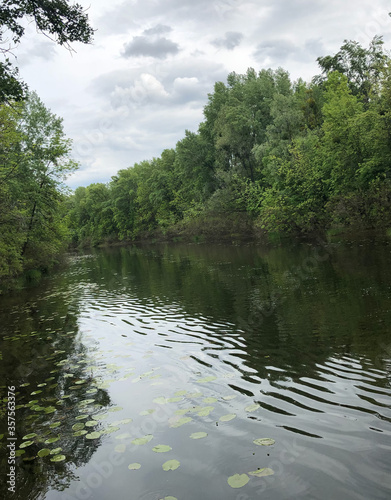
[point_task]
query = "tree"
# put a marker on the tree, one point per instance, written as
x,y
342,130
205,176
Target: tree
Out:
x,y
56,19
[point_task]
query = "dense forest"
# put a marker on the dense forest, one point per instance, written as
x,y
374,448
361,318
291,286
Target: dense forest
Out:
x,y
272,156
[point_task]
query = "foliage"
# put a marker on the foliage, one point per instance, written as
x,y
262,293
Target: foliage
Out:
x,y
56,19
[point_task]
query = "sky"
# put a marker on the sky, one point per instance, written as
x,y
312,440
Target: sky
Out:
x,y
146,78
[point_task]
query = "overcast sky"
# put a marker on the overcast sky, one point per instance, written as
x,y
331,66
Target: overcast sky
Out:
x,y
146,77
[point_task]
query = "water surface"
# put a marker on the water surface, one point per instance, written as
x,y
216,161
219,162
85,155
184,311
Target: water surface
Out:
x,y
132,348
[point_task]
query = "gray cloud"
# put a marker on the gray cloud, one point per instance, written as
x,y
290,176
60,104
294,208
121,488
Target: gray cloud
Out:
x,y
143,46
230,40
41,49
280,51
159,29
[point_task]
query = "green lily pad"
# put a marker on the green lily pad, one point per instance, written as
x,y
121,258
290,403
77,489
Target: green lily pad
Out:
x,y
252,408
182,411
81,417
180,393
35,392
80,433
264,441
204,412
124,435
120,448
238,480
58,458
91,423
262,472
110,429
228,398
161,448
44,452
198,435
181,421
160,400
174,400
143,440
52,440
227,418
169,498
78,427
134,466
171,465
25,444
54,425
55,451
93,435
30,436
206,379
146,412
209,400
19,452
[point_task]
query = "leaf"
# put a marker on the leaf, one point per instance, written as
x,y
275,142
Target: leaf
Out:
x,y
181,421
262,472
58,458
160,400
91,423
171,465
227,418
56,451
44,452
146,412
25,444
206,379
161,448
134,466
143,440
198,435
80,433
252,408
78,427
120,448
93,435
169,498
54,425
29,436
264,441
124,435
209,400
52,440
238,480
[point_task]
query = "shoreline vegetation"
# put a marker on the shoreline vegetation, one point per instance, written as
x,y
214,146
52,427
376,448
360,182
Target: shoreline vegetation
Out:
x,y
273,158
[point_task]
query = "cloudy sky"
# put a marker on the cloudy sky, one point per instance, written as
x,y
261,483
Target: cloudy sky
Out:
x,y
146,77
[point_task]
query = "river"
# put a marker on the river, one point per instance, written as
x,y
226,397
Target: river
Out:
x,y
214,372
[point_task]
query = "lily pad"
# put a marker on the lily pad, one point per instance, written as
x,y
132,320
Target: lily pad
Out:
x,y
19,452
78,427
228,398
56,451
252,408
58,458
93,435
169,498
30,436
160,400
124,435
44,452
227,418
181,421
161,448
120,448
198,435
52,440
143,440
81,417
204,412
134,466
91,423
180,393
264,441
174,400
262,472
146,412
25,444
80,433
209,400
54,425
238,480
206,379
171,465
